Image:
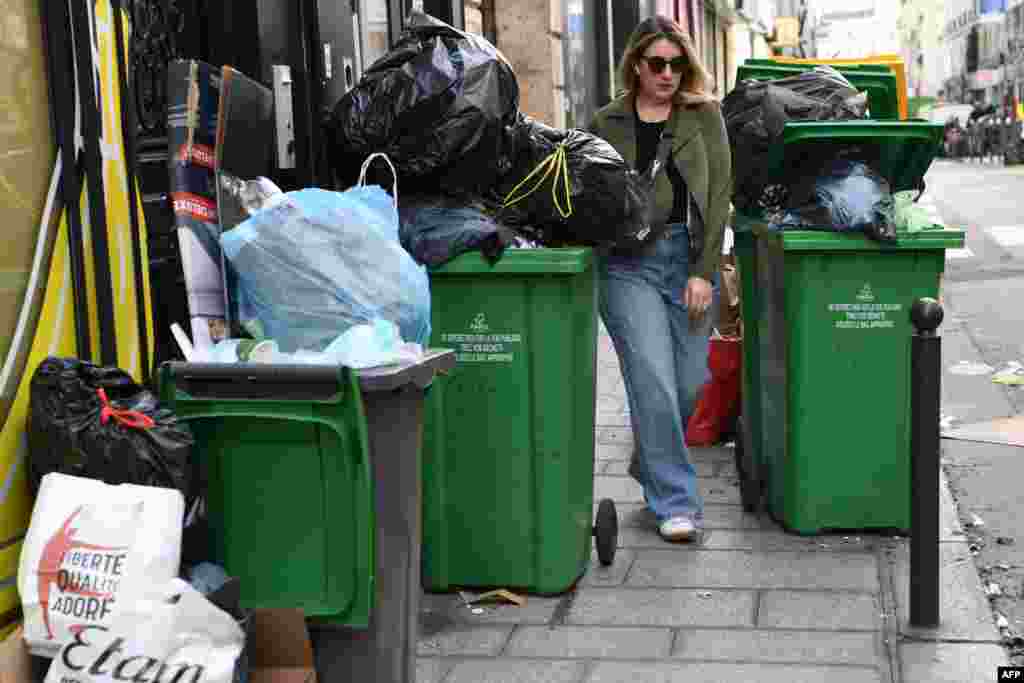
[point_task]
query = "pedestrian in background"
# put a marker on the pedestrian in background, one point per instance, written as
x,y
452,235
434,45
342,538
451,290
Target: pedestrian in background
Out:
x,y
657,302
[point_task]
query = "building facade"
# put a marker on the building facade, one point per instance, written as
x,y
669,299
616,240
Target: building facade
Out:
x,y
920,27
1014,67
852,29
983,42
807,15
566,52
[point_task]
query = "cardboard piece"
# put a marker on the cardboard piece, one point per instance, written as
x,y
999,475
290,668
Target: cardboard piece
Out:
x,y
500,595
279,648
729,303
193,98
15,662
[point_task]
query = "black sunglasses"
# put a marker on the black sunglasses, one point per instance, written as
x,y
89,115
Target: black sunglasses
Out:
x,y
658,64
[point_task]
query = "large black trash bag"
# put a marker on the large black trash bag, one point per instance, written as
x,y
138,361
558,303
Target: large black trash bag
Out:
x,y
437,104
129,438
436,229
756,113
844,196
590,196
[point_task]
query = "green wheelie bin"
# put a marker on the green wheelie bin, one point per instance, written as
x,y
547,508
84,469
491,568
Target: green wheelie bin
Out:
x,y
880,83
508,446
312,489
833,345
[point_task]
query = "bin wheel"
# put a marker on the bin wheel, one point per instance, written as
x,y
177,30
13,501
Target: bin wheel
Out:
x,y
750,483
606,532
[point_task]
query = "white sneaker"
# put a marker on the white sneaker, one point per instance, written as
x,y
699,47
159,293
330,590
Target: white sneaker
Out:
x,y
678,529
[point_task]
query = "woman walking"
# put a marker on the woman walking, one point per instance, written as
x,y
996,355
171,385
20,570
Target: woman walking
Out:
x,y
657,302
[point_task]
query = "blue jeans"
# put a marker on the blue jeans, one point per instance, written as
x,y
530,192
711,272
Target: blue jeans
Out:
x,y
664,359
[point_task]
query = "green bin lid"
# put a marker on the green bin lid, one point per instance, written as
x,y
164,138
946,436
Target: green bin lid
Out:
x,y
539,261
902,151
815,240
877,80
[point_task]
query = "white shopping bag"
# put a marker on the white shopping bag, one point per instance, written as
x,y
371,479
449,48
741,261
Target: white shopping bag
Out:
x,y
173,634
91,546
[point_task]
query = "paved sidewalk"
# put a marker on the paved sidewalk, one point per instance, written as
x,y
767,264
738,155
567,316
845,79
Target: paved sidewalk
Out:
x,y
750,603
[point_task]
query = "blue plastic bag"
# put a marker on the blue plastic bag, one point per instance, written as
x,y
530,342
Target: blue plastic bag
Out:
x,y
319,262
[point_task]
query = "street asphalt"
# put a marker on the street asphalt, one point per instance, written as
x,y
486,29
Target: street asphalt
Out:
x,y
983,335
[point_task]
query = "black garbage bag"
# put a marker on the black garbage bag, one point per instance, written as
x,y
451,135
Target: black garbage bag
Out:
x,y
756,113
436,229
844,196
569,187
980,111
96,422
437,104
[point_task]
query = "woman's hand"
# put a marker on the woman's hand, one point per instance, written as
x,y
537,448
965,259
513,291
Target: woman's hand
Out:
x,y
697,297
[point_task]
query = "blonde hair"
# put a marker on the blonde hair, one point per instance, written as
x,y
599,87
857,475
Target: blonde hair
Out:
x,y
696,85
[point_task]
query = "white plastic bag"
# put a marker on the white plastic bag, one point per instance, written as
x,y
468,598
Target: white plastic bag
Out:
x,y
89,548
173,634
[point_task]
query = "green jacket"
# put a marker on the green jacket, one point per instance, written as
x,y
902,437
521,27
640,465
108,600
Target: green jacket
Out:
x,y
701,153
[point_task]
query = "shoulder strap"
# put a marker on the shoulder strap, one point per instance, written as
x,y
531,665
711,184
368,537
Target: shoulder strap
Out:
x,y
665,144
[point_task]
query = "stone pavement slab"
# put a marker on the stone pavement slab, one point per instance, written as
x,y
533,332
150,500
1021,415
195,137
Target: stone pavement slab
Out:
x,y
715,672
465,640
431,670
777,646
662,607
516,671
589,641
835,611
754,569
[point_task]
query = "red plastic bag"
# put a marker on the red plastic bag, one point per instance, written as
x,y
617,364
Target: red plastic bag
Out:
x,y
719,401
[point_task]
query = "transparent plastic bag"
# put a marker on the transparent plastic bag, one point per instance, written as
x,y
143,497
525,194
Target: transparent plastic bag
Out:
x,y
845,196
318,262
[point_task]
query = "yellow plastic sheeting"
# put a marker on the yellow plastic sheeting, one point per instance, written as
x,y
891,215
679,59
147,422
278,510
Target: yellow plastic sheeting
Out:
x,y
51,321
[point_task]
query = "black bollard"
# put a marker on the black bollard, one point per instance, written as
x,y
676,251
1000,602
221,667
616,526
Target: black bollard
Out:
x,y
925,404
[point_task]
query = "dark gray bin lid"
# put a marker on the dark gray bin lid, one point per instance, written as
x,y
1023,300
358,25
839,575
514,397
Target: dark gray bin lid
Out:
x,y
293,381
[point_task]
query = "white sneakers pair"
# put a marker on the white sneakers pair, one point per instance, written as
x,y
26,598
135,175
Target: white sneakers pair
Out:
x,y
678,529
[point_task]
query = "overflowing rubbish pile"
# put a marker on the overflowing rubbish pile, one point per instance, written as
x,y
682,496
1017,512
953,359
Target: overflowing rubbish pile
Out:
x,y
444,106
840,183
756,113
110,575
438,161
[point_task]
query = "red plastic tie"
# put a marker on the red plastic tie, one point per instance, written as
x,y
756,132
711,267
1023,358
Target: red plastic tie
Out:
x,y
128,418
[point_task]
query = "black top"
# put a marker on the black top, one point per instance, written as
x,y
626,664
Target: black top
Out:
x,y
647,136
